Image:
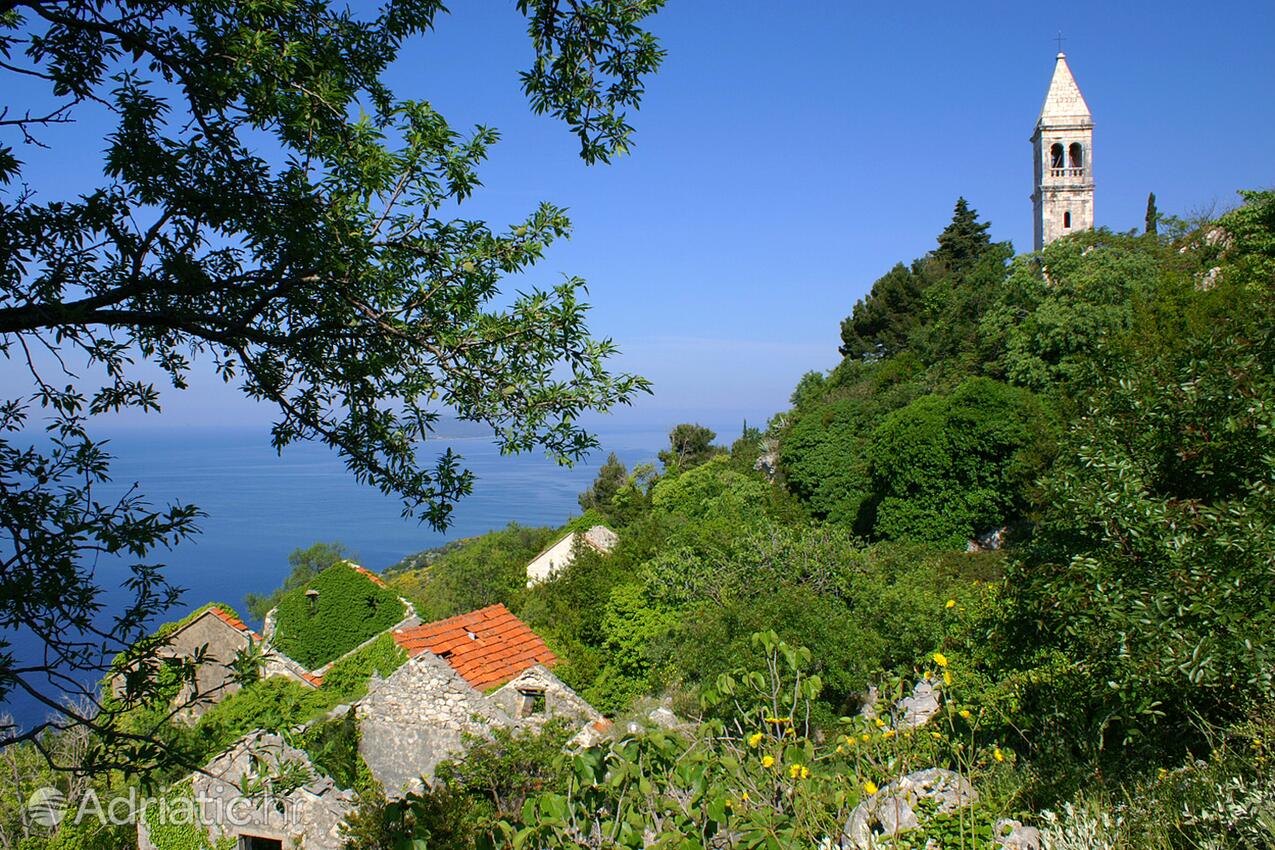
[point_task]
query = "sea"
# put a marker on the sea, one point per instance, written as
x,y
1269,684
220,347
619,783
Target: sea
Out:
x,y
261,505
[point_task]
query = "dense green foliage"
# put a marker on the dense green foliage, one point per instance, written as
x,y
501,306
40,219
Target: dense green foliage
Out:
x,y
306,564
947,467
483,571
349,609
268,212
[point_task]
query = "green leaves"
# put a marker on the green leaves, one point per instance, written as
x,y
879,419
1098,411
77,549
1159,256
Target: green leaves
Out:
x,y
591,59
271,210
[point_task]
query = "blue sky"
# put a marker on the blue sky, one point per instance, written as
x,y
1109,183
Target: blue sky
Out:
x,y
789,153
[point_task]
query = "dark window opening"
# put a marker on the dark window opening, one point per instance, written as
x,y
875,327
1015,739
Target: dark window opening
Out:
x,y
312,597
253,842
1067,219
531,703
1056,156
1076,155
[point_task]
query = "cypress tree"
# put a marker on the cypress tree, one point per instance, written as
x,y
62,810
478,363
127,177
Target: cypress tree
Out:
x,y
1153,215
962,241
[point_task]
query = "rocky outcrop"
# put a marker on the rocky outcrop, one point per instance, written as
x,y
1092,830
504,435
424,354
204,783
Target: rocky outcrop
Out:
x,y
910,712
768,462
919,708
1012,835
893,809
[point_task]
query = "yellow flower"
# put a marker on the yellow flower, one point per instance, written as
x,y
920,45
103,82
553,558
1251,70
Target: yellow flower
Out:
x,y
1163,774
755,739
799,771
840,748
805,772
951,603
767,761
947,678
870,787
778,719
744,797
867,737
936,736
879,722
997,754
929,674
940,659
965,713
888,734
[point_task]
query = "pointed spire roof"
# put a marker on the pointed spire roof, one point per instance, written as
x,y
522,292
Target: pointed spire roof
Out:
x,y
1064,102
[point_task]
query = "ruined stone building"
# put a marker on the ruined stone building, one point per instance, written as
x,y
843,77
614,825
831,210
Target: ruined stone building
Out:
x,y
217,637
1063,199
464,676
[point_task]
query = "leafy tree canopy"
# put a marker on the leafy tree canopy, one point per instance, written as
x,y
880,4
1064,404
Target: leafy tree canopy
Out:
x,y
689,446
272,211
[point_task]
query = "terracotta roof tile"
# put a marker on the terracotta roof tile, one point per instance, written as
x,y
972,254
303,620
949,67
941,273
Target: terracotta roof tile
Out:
x,y
232,621
501,646
371,575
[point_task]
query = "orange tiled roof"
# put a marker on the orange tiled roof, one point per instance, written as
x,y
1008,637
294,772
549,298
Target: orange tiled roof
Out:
x,y
232,621
371,575
313,679
486,647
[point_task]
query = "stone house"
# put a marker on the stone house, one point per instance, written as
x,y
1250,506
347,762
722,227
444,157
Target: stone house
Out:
x,y
221,637
464,675
545,565
308,816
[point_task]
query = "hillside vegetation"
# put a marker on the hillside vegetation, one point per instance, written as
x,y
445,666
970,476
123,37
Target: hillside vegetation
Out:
x,y
1105,409
1043,484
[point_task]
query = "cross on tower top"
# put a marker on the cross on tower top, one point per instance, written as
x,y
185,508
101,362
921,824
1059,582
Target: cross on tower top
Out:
x,y
1060,41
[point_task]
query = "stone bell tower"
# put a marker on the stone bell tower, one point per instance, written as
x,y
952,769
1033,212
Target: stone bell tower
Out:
x,y
1063,145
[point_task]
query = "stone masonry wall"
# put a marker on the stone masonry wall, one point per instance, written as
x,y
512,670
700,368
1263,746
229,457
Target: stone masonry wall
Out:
x,y
418,717
560,700
309,817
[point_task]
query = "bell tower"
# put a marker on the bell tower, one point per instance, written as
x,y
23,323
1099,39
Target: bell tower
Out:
x,y
1063,145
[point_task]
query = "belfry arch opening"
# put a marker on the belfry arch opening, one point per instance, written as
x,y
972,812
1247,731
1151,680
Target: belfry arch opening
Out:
x,y
1056,156
1075,156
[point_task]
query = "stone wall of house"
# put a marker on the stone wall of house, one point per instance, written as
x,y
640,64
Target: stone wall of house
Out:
x,y
559,700
550,561
275,663
309,817
213,679
418,717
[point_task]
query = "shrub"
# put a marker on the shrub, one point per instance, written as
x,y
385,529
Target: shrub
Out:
x,y
947,468
483,571
350,608
347,680
759,776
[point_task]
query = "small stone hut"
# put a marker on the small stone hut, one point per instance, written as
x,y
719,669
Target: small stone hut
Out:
x,y
560,555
